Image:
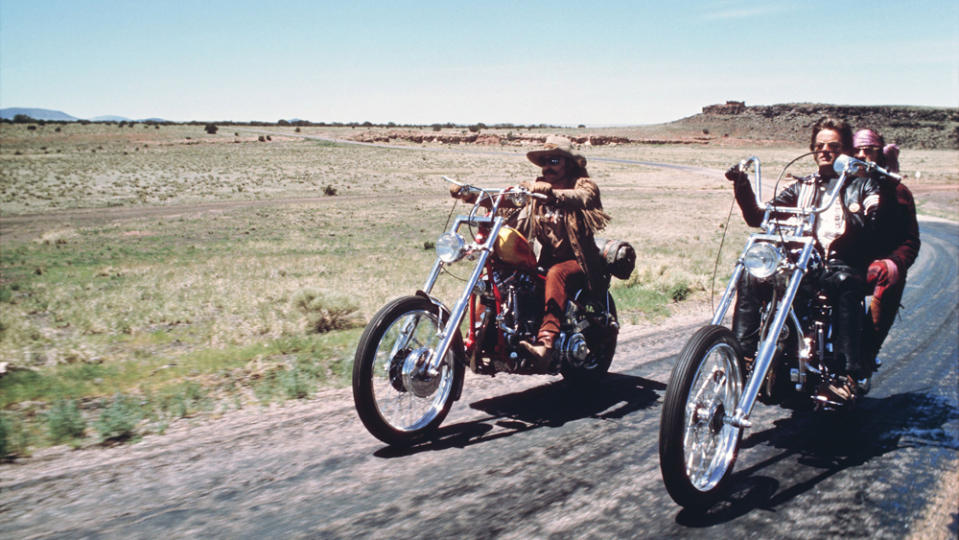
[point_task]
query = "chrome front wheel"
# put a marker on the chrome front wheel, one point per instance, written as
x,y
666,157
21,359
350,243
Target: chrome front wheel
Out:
x,y
697,446
397,399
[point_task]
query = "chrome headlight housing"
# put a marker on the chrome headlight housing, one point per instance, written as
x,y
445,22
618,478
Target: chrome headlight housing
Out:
x,y
450,247
761,260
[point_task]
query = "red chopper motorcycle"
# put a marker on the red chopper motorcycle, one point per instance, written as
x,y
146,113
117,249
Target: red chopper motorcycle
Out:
x,y
411,359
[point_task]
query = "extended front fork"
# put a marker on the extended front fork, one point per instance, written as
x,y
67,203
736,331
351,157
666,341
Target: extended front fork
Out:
x,y
447,332
767,347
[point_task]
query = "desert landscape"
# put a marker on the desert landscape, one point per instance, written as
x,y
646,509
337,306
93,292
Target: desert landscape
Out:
x,y
180,305
156,273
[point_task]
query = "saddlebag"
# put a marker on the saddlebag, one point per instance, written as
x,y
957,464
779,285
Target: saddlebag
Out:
x,y
619,255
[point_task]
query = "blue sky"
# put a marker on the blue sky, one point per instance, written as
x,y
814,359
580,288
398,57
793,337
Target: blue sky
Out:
x,y
558,62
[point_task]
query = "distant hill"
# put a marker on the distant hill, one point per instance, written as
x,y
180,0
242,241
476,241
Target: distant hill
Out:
x,y
60,116
109,118
915,127
37,114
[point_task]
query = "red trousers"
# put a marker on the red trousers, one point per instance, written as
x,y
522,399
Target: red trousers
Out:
x,y
883,312
556,278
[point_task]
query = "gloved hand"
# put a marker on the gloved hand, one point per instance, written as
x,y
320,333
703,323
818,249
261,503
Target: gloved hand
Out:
x,y
455,191
883,272
736,175
543,188
538,186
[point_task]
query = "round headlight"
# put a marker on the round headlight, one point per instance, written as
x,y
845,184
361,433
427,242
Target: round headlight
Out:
x,y
449,247
761,260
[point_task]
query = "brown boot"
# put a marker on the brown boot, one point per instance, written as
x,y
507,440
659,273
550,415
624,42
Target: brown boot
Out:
x,y
542,354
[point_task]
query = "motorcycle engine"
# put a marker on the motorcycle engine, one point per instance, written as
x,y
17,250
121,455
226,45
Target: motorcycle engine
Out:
x,y
524,302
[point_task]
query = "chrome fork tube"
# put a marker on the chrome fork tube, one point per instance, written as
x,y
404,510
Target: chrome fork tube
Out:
x,y
768,347
438,265
434,274
727,297
447,332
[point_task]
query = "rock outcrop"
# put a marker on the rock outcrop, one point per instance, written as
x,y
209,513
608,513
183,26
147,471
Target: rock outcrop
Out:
x,y
916,127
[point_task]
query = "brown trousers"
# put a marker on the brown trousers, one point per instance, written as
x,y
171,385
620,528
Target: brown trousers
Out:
x,y
556,279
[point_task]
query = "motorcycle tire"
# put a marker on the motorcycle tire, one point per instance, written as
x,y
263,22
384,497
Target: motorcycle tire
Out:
x,y
601,341
397,405
697,450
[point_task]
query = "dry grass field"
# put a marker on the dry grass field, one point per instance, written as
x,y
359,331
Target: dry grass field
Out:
x,y
152,273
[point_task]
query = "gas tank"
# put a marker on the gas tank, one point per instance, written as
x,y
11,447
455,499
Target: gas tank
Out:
x,y
512,248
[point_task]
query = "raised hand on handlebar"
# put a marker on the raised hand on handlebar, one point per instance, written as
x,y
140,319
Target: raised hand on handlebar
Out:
x,y
516,196
538,189
860,168
737,174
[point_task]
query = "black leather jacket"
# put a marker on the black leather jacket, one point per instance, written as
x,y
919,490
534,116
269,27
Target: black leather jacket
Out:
x,y
860,206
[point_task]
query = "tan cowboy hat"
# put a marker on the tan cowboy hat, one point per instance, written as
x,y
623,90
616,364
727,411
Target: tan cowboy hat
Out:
x,y
557,146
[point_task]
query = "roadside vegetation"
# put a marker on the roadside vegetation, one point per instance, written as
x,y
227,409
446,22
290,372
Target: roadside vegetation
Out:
x,y
223,271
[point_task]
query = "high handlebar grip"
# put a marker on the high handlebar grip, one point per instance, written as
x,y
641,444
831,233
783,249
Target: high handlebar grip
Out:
x,y
849,163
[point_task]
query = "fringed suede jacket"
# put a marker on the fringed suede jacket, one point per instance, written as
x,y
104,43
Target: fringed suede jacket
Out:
x,y
564,225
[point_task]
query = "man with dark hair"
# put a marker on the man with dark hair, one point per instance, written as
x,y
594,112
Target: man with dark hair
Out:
x,y
843,232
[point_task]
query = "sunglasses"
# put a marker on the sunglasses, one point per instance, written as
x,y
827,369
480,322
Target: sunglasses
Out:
x,y
833,146
552,161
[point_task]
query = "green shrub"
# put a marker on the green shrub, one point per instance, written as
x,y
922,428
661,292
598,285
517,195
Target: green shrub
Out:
x,y
14,438
118,421
679,291
324,314
184,400
265,389
65,421
4,430
297,383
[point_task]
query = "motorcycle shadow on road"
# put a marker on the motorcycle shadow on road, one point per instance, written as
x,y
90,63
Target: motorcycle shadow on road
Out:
x,y
551,405
808,448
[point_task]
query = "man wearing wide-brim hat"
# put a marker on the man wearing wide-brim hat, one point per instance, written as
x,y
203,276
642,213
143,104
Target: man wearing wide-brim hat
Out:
x,y
564,225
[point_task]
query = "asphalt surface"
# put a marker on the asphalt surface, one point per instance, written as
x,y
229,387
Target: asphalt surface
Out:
x,y
525,457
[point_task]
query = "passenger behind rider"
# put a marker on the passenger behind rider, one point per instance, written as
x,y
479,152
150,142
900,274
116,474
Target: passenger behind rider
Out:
x,y
843,232
563,224
897,238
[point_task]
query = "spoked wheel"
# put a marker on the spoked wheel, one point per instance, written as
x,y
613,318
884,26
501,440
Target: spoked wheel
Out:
x,y
697,449
398,402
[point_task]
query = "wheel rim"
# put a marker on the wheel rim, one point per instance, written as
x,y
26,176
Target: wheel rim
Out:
x,y
407,399
709,443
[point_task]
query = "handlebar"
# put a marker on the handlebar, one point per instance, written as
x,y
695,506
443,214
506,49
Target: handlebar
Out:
x,y
758,188
845,163
494,192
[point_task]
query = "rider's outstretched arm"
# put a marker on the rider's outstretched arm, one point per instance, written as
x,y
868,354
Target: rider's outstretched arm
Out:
x,y
745,197
905,254
583,196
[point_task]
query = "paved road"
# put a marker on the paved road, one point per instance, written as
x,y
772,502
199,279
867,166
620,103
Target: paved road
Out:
x,y
523,457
